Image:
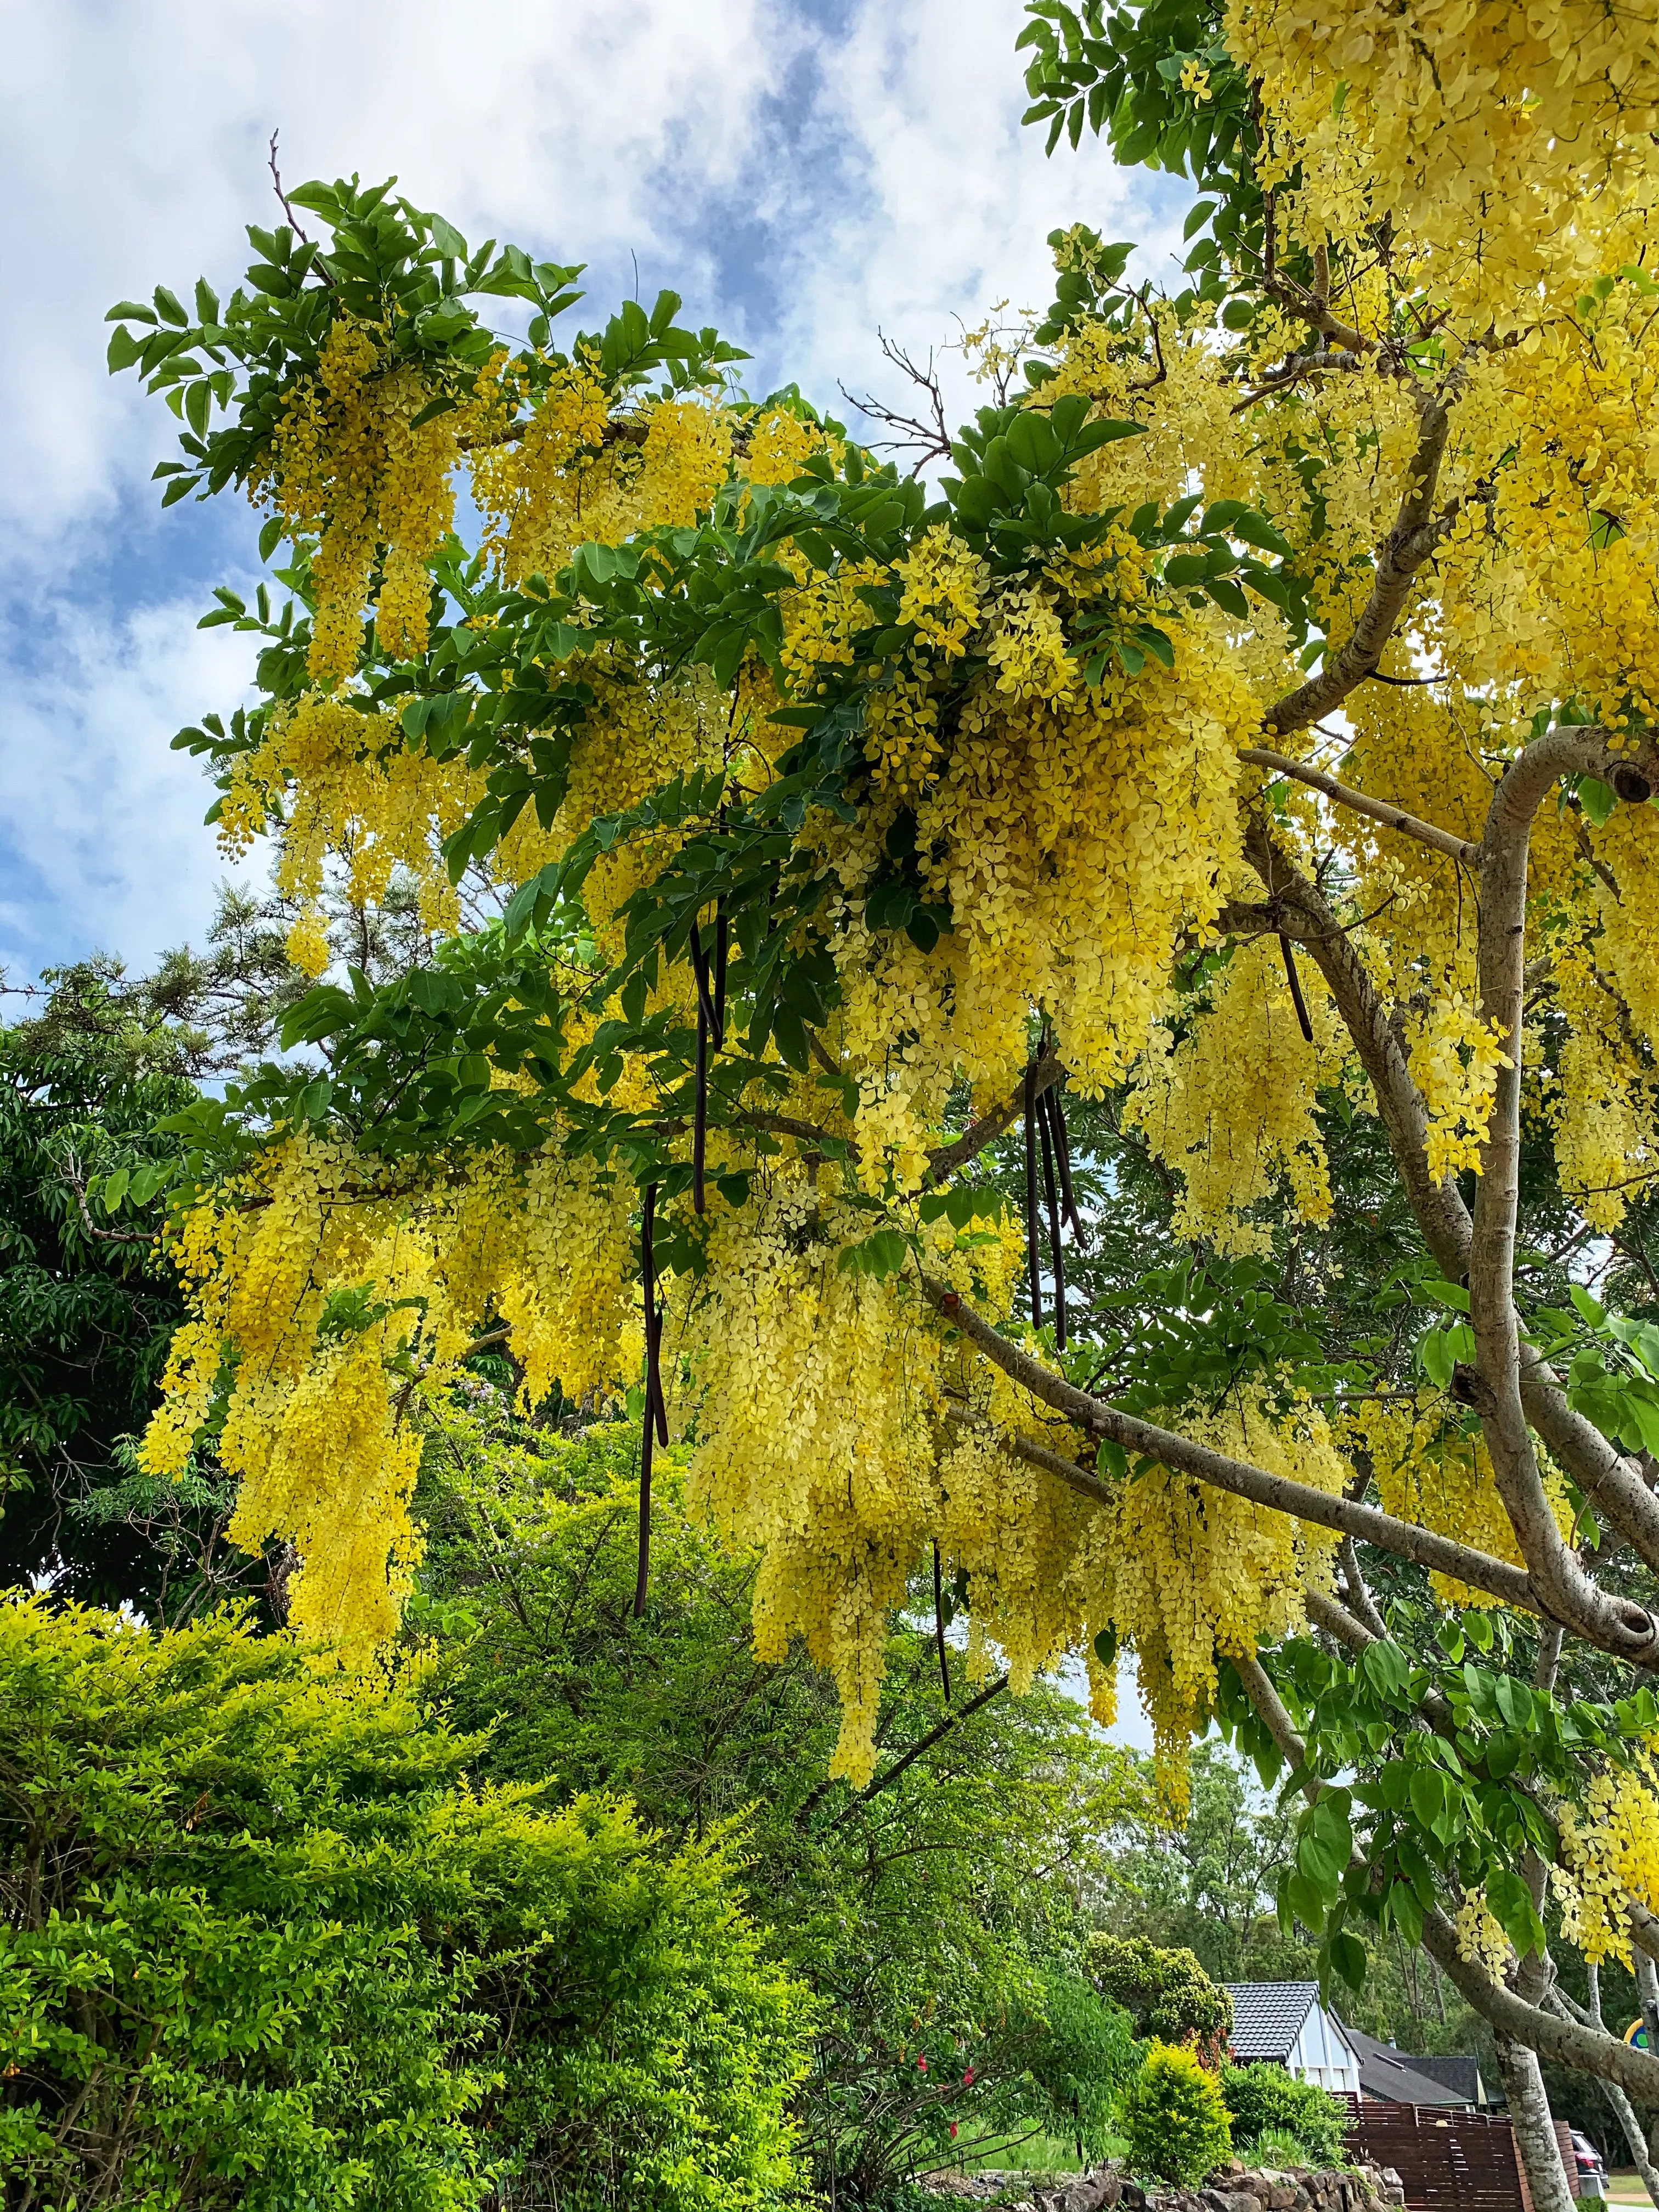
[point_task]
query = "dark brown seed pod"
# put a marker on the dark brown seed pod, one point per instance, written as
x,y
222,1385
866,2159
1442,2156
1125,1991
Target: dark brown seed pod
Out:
x,y
1055,1251
1295,983
1050,1100
1631,785
939,1623
1031,1195
699,1115
656,1420
706,1007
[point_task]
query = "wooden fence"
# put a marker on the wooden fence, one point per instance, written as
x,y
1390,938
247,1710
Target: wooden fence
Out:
x,y
1447,2162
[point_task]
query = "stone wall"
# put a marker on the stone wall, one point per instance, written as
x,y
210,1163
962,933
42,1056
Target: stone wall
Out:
x,y
1233,2188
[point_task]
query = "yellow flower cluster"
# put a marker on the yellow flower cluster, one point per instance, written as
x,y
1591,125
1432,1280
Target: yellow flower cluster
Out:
x,y
1455,1059
1441,1477
1492,131
1187,1573
1481,1939
349,462
816,1388
342,781
1231,1109
1609,1855
323,1299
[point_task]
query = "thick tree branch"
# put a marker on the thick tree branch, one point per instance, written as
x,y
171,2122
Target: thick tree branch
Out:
x,y
1305,913
1425,1546
975,1138
1568,1592
1300,910
1416,533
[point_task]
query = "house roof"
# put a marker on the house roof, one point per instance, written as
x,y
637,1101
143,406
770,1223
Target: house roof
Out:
x,y
1267,2016
1456,2070
1405,2078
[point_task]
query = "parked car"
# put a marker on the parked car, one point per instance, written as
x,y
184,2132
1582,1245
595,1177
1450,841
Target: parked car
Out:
x,y
1591,2177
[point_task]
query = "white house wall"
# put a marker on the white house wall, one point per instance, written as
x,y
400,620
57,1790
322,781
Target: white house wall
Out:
x,y
1320,2054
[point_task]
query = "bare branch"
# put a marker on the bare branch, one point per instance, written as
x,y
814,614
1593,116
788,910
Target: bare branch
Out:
x,y
293,221
927,435
951,1720
104,1236
1360,802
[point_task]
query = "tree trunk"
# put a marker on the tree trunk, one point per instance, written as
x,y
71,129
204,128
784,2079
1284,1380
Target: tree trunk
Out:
x,y
1641,2154
1534,2128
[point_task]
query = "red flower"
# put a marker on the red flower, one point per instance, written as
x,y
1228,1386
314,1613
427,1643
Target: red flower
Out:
x,y
953,2130
968,2078
922,2063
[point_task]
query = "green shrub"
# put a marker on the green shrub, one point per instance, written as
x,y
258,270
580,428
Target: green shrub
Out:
x,y
1263,2099
1080,2060
1167,1992
264,1946
1173,2116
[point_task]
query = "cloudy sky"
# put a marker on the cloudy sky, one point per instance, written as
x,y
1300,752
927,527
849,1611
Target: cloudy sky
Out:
x,y
800,170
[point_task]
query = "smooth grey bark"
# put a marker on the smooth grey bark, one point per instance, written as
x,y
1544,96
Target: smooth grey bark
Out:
x,y
1534,2126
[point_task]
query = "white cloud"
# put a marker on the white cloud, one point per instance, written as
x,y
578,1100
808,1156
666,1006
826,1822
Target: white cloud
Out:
x,y
134,150
957,200
100,822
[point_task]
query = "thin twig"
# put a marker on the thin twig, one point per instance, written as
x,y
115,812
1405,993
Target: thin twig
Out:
x,y
294,223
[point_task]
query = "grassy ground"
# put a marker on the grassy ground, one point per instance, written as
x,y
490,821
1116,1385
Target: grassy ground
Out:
x,y
1624,2187
1044,2154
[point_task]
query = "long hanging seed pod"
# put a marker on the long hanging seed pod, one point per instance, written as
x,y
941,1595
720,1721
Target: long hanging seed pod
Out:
x,y
656,1417
711,1028
1032,1254
699,1115
713,1013
1056,1111
1056,1250
1295,983
939,1622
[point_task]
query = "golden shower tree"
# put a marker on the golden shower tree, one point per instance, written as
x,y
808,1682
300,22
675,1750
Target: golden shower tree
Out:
x,y
1256,730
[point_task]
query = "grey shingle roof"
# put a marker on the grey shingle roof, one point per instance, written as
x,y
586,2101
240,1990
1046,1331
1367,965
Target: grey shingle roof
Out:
x,y
1404,2077
1267,2016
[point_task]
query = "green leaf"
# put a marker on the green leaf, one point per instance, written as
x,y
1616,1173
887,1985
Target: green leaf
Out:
x,y
1348,1957
1597,799
1591,1312
1228,596
1306,1901
1321,1867
790,1031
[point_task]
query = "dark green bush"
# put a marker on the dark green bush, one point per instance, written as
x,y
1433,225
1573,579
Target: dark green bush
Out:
x,y
1173,2116
1259,2098
264,1947
1167,1993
